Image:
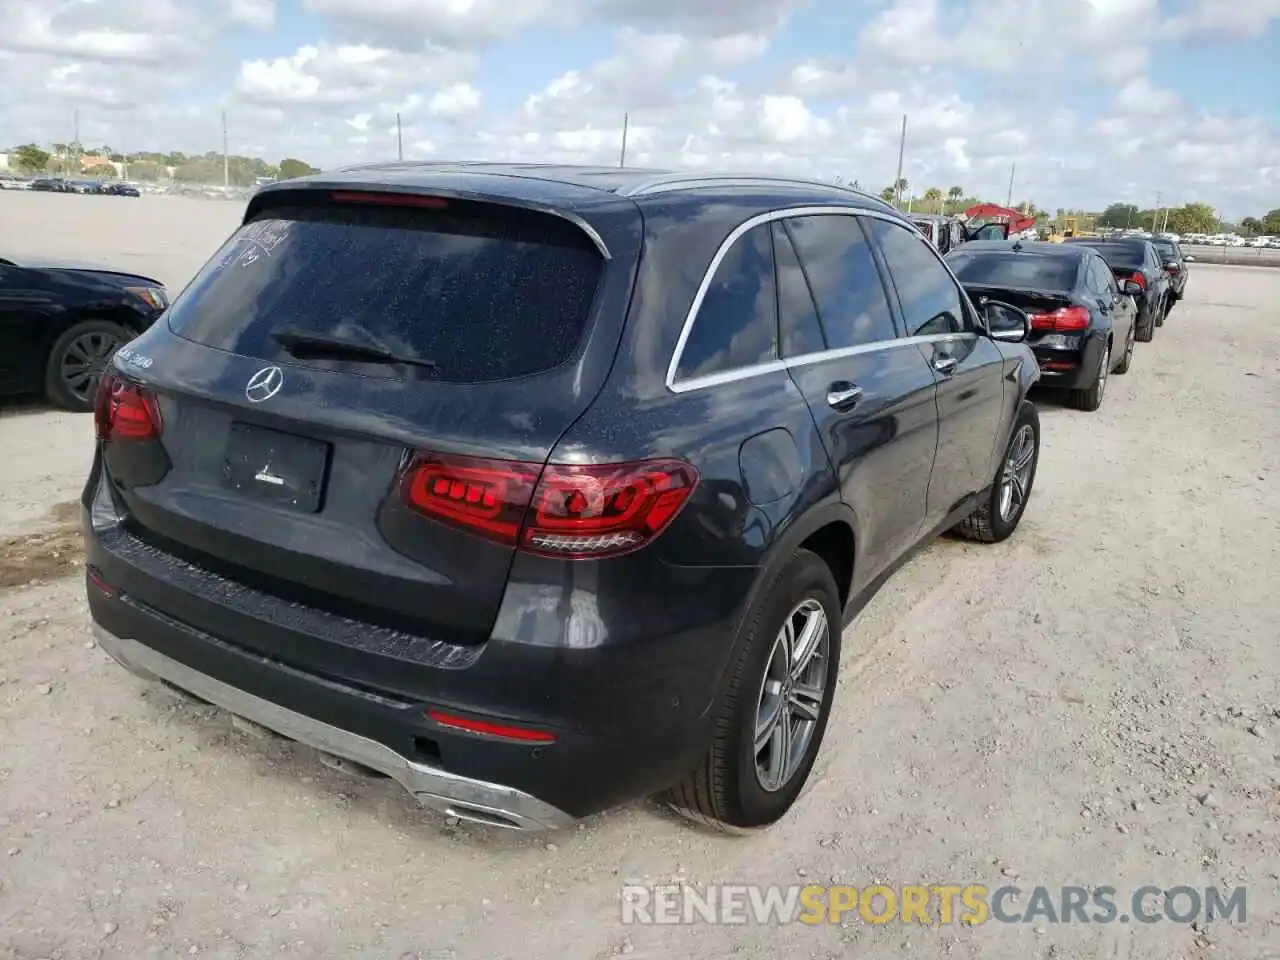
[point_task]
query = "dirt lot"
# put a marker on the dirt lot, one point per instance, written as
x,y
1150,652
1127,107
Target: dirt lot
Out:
x,y
1095,702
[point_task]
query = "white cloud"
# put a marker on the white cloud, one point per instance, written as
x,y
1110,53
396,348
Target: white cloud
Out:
x,y
705,84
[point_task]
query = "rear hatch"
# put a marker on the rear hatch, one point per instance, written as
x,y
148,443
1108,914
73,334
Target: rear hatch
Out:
x,y
344,350
1038,283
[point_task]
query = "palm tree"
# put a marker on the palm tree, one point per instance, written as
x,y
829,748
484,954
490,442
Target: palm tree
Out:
x,y
901,187
954,194
888,194
933,196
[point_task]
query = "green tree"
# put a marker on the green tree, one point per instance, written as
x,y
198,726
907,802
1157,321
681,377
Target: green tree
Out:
x,y
1119,215
1271,222
888,194
291,168
1251,225
1193,218
933,197
31,158
954,195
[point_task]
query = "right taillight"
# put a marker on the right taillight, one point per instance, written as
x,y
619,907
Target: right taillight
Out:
x,y
1139,279
125,411
570,511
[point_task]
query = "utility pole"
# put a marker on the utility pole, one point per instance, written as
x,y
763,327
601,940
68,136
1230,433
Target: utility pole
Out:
x,y
1008,200
626,123
902,149
226,156
74,150
1156,216
399,139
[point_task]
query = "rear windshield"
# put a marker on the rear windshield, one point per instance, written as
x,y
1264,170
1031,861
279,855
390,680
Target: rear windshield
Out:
x,y
1025,270
1165,247
481,296
1123,255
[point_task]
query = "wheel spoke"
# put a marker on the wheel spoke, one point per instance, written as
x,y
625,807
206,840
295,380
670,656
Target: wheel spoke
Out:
x,y
77,350
79,381
807,645
767,718
806,701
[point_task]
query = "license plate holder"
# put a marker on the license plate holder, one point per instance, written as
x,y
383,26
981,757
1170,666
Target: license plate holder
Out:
x,y
276,467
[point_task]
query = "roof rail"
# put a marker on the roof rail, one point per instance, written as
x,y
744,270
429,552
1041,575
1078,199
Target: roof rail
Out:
x,y
689,180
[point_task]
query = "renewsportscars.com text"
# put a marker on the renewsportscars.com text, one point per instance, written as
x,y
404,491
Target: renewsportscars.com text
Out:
x,y
969,904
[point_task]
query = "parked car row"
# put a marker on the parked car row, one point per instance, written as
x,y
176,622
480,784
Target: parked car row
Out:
x,y
112,188
1089,300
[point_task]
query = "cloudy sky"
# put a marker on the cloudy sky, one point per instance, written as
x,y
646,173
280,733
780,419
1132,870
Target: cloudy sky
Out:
x,y
1097,100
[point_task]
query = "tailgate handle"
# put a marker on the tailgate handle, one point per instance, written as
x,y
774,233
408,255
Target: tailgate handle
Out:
x,y
843,396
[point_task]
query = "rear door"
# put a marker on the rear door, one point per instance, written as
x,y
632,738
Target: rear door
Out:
x,y
968,366
871,393
360,487
1118,307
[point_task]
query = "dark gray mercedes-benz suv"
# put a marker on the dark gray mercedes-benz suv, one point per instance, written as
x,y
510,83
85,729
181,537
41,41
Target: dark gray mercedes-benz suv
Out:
x,y
542,488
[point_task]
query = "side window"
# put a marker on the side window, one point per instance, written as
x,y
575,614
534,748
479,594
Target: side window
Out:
x,y
797,316
851,298
931,302
1106,280
737,323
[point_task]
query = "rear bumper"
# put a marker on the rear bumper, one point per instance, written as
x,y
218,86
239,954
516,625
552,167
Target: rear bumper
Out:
x,y
1069,367
627,703
464,797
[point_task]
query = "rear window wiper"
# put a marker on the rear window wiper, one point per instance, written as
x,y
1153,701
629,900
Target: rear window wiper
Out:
x,y
318,346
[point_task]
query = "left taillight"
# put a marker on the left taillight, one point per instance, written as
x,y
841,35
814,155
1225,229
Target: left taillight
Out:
x,y
569,511
125,411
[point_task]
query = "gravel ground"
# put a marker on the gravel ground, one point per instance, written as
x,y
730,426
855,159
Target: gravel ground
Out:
x,y
1096,701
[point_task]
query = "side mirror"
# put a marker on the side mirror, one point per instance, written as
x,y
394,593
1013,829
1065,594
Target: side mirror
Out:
x,y
1188,259
1131,288
1171,266
1005,322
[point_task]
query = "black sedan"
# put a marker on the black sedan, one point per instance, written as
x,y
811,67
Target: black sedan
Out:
x,y
1175,264
1082,321
1135,259
52,185
61,322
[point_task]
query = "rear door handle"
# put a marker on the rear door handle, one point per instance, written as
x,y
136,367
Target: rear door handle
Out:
x,y
946,365
843,396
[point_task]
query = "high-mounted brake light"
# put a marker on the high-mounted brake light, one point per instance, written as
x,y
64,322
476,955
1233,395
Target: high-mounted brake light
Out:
x,y
569,511
388,199
1066,320
125,411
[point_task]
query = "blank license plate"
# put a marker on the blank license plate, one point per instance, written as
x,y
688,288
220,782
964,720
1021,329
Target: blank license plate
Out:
x,y
276,467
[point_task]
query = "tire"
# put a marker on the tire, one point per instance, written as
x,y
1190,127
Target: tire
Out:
x,y
1090,398
989,523
726,791
1162,312
1127,360
98,341
1146,328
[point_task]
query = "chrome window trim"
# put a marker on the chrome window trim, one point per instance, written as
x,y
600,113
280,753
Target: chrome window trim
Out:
x,y
676,385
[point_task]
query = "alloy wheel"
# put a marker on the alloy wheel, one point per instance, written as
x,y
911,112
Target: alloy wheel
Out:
x,y
84,360
1015,478
792,694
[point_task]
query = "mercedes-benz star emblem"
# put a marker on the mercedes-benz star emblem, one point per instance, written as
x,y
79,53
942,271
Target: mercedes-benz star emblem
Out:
x,y
264,384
